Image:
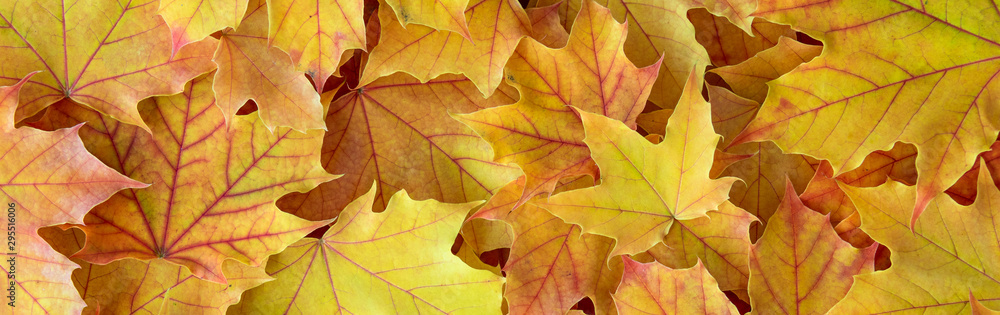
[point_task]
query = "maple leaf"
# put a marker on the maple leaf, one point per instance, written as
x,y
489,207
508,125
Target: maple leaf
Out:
x,y
46,178
213,188
799,264
193,20
316,34
823,194
250,69
730,114
763,174
157,287
398,132
937,263
539,133
720,241
749,79
665,182
662,30
649,288
964,190
496,28
446,15
896,82
413,272
726,44
551,265
107,55
978,308
545,26
761,166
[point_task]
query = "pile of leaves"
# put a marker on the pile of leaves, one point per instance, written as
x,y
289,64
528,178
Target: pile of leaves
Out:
x,y
496,156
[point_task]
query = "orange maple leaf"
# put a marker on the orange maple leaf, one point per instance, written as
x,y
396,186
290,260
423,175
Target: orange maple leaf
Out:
x,y
213,188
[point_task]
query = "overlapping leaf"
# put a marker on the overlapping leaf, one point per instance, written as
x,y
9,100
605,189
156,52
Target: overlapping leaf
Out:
x,y
213,187
720,241
413,273
825,196
250,69
950,254
398,132
316,33
447,15
107,55
645,187
652,288
800,265
765,167
495,27
46,178
154,287
748,79
538,132
729,45
545,26
658,30
551,265
192,20
964,191
889,75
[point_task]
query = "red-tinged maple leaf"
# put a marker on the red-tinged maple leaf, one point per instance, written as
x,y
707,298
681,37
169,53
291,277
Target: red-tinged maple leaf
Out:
x,y
496,27
193,20
727,44
749,79
652,288
393,262
720,241
799,264
316,33
46,178
940,264
250,69
398,132
155,287
645,187
213,188
542,135
889,75
107,55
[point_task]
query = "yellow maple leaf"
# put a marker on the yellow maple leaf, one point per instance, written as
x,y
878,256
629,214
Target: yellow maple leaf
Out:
x,y
887,75
413,272
645,187
940,263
